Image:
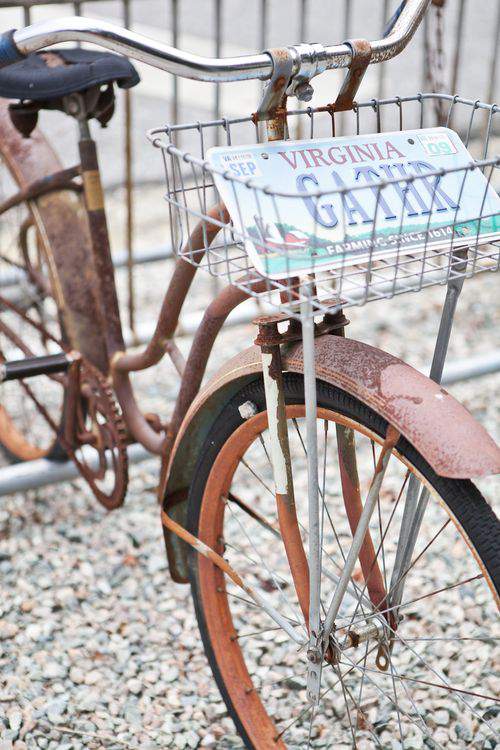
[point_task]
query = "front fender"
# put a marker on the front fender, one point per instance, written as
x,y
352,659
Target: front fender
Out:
x,y
435,423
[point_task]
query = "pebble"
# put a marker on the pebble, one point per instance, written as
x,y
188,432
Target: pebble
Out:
x,y
54,670
15,718
55,710
192,739
88,700
94,677
7,630
76,675
134,686
442,718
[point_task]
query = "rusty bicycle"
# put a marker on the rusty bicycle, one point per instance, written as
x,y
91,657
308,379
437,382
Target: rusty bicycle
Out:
x,y
304,485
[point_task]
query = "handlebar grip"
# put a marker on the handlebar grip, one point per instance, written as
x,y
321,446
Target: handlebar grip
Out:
x,y
9,53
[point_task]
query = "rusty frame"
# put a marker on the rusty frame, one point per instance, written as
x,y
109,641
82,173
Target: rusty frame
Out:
x,y
32,160
87,300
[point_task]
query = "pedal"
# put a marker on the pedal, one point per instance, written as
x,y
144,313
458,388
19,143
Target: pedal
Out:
x,y
20,369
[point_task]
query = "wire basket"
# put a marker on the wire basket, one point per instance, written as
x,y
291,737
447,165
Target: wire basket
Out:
x,y
203,233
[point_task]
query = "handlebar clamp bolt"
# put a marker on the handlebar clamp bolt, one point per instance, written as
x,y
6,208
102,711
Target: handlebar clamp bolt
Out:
x,y
304,92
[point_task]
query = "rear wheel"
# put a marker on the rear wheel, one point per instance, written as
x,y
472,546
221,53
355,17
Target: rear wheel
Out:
x,y
30,411
438,689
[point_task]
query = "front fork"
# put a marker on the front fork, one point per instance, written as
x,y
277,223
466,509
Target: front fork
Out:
x,y
306,571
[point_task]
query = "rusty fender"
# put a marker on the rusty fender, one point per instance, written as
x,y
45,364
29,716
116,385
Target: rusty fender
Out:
x,y
437,425
63,230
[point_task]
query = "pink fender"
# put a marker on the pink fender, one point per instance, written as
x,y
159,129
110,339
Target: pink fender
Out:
x,y
441,429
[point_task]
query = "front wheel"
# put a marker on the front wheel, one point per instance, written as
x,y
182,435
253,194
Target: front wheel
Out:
x,y
438,690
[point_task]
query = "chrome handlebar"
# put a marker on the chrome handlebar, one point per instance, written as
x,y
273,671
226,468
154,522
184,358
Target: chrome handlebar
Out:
x,y
308,60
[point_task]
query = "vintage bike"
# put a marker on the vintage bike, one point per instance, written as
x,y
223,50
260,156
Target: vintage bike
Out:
x,y
316,492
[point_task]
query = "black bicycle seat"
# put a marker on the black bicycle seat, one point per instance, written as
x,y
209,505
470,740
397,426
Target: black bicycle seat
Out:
x,y
44,76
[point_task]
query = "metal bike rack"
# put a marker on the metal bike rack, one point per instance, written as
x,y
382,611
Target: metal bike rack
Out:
x,y
32,475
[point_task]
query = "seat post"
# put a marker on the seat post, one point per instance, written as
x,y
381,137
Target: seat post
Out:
x,y
94,204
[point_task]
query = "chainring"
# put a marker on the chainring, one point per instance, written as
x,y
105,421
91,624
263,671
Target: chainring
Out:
x,y
98,445
101,455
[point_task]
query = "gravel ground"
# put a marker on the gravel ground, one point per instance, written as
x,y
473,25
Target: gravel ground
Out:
x,y
98,647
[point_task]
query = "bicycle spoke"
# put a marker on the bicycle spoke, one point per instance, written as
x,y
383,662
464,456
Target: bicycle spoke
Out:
x,y
254,562
253,514
396,701
311,719
408,695
444,684
324,506
386,695
344,694
257,477
418,557
264,563
439,686
413,601
485,639
262,442
380,546
310,707
254,633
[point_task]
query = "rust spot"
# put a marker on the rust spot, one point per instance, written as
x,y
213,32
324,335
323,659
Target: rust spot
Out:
x,y
53,60
279,83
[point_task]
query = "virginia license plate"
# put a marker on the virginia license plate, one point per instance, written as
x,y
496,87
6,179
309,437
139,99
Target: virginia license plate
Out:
x,y
334,202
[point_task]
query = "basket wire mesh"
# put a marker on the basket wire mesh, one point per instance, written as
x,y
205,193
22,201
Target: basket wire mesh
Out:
x,y
197,212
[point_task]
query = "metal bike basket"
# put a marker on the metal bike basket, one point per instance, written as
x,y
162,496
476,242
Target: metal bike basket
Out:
x,y
193,197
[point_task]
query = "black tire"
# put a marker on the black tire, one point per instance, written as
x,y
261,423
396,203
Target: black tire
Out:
x,y
469,508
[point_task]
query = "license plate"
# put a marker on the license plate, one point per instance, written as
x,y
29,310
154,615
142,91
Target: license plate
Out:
x,y
311,205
